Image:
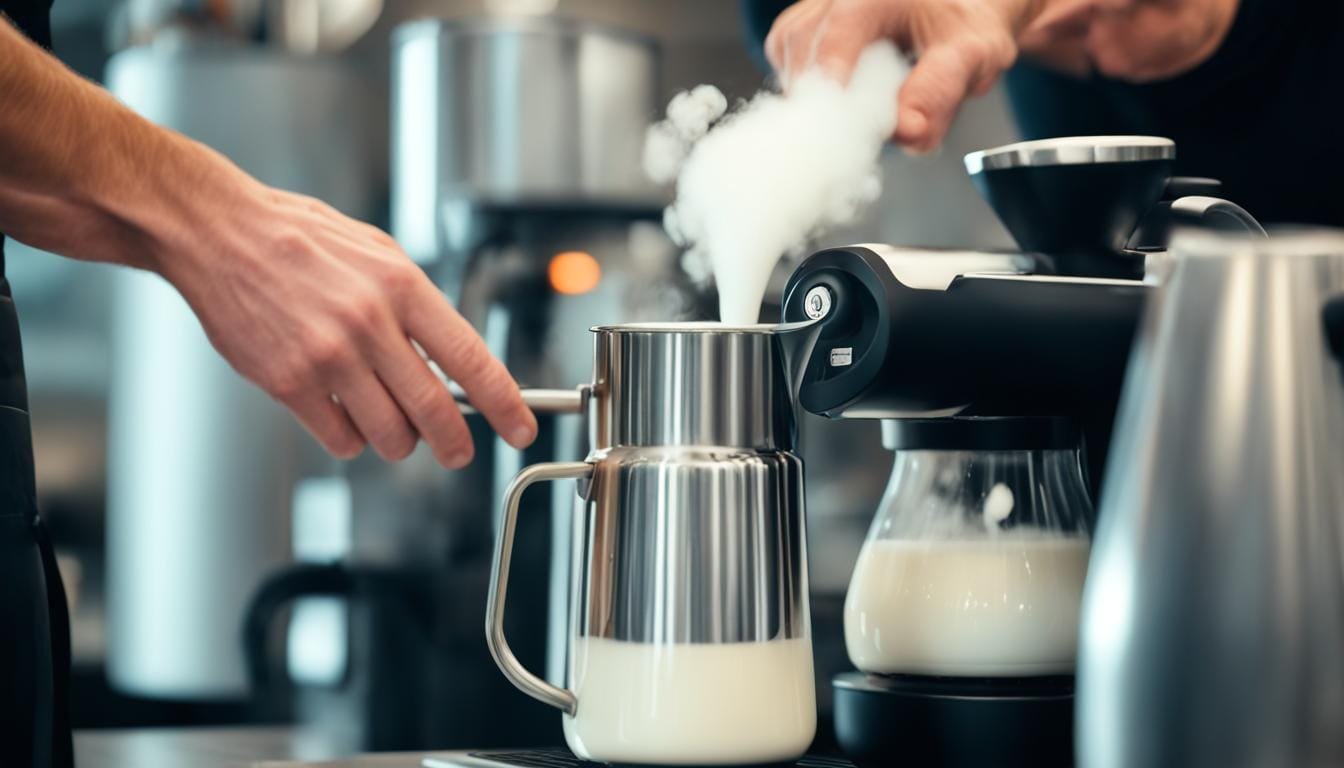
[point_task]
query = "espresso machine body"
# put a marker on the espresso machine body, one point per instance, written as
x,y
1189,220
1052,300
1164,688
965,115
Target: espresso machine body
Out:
x,y
946,345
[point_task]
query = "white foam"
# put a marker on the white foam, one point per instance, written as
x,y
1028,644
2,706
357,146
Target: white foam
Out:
x,y
775,171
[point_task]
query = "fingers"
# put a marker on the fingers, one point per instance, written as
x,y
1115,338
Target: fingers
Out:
x,y
930,97
796,37
453,344
375,414
327,422
424,400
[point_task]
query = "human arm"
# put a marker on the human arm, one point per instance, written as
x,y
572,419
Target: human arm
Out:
x,y
962,46
315,308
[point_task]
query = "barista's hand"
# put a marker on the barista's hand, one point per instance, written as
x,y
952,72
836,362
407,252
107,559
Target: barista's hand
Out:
x,y
320,310
317,309
961,47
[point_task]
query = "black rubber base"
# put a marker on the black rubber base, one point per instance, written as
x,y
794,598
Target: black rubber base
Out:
x,y
943,722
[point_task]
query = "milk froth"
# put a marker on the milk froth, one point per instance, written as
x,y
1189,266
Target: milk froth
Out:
x,y
997,606
692,703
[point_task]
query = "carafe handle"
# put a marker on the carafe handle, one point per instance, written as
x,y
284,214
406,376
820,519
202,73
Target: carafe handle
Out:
x,y
560,698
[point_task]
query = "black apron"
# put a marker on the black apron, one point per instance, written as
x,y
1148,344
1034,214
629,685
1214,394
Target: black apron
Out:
x,y
34,619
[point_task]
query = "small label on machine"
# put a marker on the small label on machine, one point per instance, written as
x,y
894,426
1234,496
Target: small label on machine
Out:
x,y
842,356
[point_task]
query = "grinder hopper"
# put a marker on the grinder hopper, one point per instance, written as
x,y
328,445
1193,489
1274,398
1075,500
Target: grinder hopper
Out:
x,y
1076,199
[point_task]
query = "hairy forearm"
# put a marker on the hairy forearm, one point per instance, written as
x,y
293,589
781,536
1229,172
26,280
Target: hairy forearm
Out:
x,y
83,176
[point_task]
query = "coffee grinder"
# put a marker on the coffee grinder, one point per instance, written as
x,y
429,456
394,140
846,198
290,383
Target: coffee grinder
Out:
x,y
997,376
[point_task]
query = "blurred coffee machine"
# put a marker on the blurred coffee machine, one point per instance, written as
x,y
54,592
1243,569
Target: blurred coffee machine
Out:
x,y
516,184
201,463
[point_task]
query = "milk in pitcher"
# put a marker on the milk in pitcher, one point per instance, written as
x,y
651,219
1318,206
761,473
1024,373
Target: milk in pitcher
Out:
x,y
692,703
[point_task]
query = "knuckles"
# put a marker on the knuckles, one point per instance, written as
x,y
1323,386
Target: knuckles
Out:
x,y
324,355
292,242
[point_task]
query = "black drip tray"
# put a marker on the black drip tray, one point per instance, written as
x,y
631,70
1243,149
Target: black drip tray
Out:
x,y
563,758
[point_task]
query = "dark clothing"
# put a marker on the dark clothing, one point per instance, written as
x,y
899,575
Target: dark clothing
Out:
x,y
1260,115
34,622
32,17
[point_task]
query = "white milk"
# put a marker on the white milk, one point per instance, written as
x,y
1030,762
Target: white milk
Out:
x,y
692,703
996,606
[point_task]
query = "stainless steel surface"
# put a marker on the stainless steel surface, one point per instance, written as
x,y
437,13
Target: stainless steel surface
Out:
x,y
527,682
693,522
201,463
229,747
690,384
694,545
1071,150
515,111
539,400
1214,612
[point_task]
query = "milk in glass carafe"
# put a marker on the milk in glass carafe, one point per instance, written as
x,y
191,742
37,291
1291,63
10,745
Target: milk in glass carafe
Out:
x,y
975,562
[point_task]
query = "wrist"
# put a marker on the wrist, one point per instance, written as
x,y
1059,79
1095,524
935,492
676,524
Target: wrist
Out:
x,y
171,197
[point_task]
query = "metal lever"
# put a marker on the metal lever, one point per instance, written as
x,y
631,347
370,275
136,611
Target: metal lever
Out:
x,y
539,400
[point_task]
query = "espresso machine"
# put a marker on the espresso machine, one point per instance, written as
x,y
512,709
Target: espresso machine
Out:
x,y
997,377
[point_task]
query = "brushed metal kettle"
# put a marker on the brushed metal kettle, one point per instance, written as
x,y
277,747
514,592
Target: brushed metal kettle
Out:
x,y
1213,618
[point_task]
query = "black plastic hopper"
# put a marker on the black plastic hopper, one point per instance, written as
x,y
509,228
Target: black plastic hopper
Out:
x,y
1076,203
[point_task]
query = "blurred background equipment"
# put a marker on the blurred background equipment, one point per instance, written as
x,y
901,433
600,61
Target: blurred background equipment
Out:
x,y
179,498
201,464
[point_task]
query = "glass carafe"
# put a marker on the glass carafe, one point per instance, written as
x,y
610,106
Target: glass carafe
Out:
x,y
975,562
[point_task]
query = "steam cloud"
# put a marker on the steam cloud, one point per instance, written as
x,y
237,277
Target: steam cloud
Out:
x,y
754,185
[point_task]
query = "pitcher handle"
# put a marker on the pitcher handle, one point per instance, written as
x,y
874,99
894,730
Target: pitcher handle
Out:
x,y
560,698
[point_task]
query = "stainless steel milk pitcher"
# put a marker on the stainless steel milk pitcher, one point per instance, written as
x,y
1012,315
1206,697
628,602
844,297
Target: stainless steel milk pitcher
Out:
x,y
690,557
1213,621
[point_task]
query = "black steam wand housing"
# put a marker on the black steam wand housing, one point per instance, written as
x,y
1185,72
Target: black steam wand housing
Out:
x,y
926,334
901,342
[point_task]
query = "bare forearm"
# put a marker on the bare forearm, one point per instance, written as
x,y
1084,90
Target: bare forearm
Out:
x,y
83,176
